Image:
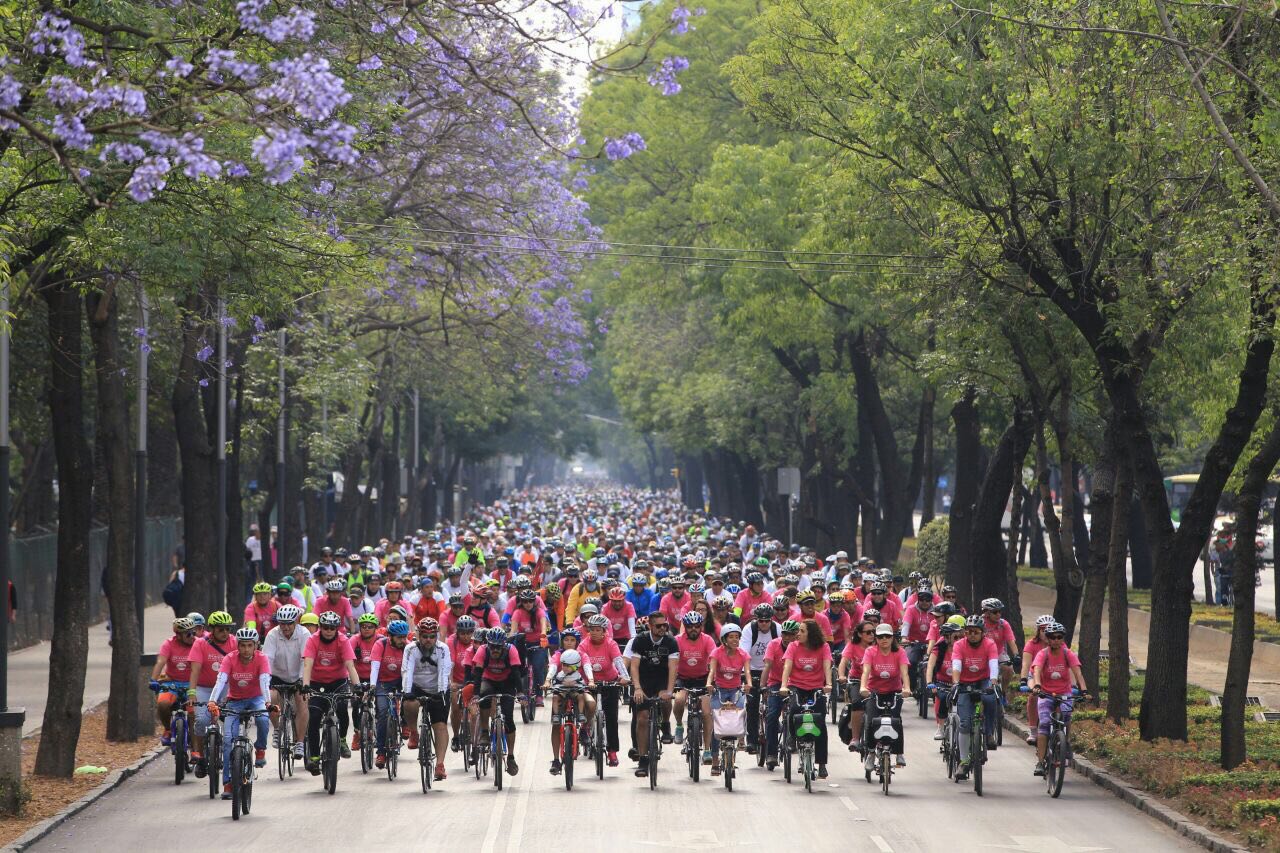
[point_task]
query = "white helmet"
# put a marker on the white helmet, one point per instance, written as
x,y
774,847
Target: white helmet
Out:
x,y
570,658
1045,621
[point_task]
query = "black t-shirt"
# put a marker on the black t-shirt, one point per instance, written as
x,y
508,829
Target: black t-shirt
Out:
x,y
654,656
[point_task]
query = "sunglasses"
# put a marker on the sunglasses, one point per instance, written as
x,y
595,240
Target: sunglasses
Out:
x,y
661,627
867,631
1055,636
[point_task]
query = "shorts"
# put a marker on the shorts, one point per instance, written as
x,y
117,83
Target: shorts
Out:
x,y
277,683
1005,660
691,683
728,696
437,705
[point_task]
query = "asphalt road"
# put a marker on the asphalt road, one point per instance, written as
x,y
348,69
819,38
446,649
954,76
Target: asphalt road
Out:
x,y
925,811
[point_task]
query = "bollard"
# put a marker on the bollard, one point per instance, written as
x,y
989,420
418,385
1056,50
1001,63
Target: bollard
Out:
x,y
13,791
146,699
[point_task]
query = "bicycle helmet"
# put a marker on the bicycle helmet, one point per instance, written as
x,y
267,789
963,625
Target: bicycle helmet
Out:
x,y
914,577
571,632
992,604
288,614
974,621
948,589
587,611
806,597
590,575
220,618
836,597
754,577
368,619
553,592
182,625
617,594
924,595
733,589
395,611
760,562
791,626
639,579
698,589
464,624
398,628
335,585
246,635
762,611
943,608
780,602
878,588
871,614
427,625
330,620
597,621
570,659
957,620
526,595
456,600
1056,629
496,637
394,586
1045,621
309,619
261,586
522,583
693,617
724,601
729,628
285,587
948,629
196,618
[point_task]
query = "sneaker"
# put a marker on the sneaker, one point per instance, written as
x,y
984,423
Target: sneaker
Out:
x,y
297,752
715,769
200,769
633,754
642,769
901,761
555,767
453,744
313,766
406,732
441,775
537,701
679,736
167,740
613,759
275,740
226,790
770,764
259,758
937,735
749,749
962,775
707,756
1039,769
870,763
346,750
822,771
512,767
380,761
412,737
991,742
1031,740
355,742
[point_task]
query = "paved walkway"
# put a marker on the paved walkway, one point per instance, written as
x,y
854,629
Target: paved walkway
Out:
x,y
29,668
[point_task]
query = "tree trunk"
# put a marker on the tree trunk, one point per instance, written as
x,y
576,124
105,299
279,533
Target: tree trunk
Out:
x,y
237,565
929,490
896,487
1240,659
68,651
199,473
102,310
1118,600
1095,587
968,475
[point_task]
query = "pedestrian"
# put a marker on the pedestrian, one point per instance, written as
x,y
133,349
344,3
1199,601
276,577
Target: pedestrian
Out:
x,y
253,548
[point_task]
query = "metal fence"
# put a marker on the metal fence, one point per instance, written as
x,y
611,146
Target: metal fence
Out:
x,y
33,562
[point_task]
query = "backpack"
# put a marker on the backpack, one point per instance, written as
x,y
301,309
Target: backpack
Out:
x,y
172,594
845,726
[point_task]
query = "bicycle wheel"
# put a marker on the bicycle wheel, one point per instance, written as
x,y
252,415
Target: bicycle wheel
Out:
x,y
952,756
246,787
178,733
213,760
329,753
835,704
785,749
599,743
761,732
923,698
693,745
806,767
368,740
1055,769
236,781
655,745
977,756
726,764
886,771
427,756
392,744
568,752
999,724
499,755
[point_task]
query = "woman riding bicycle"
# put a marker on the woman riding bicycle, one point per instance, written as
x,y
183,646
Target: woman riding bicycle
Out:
x,y
602,655
850,673
807,669
245,677
386,664
937,671
1053,673
884,672
729,678
1030,649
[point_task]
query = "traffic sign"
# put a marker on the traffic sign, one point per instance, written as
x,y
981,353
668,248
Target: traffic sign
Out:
x,y
789,482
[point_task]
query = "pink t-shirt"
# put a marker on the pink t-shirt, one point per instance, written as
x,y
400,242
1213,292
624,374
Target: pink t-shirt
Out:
x,y
1033,648
999,633
497,667
841,625
176,667
673,609
890,611
918,623
513,602
695,656
324,605
601,658
263,618
823,623
730,667
748,601
773,655
619,619
974,660
528,623
390,660
886,670
807,665
242,678
210,658
363,651
853,653
330,658
382,607
460,654
1055,670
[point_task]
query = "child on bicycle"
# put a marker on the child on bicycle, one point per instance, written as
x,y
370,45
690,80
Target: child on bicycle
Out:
x,y
567,670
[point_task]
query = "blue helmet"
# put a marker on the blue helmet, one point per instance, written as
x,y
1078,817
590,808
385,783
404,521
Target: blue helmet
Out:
x,y
496,637
660,574
398,628
571,632
733,589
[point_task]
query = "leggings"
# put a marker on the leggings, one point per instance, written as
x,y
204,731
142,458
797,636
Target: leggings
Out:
x,y
318,707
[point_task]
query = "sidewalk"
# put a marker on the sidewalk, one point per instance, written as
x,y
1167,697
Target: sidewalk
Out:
x,y
29,668
1206,664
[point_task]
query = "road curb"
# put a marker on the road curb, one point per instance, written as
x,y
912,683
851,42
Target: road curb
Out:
x,y
1141,801
113,781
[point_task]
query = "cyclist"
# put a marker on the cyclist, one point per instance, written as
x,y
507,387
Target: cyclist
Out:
x,y
756,637
362,647
604,657
335,600
975,662
729,678
567,670
654,659
808,604
916,624
206,656
394,593
259,614
754,595
889,606
311,622
676,603
850,673
642,599
172,665
774,656
620,614
496,669
884,671
589,587
695,662
1030,649
806,666
938,670
425,679
841,620
1053,673
529,621
328,666
198,619
460,643
283,647
1000,632
245,678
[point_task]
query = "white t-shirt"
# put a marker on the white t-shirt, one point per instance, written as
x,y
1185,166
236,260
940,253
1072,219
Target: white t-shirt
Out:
x,y
254,546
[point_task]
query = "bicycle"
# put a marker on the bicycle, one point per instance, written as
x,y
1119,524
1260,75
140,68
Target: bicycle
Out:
x,y
330,738
762,718
806,738
213,758
284,751
570,718
693,738
1057,753
391,744
977,740
241,760
919,690
465,741
598,740
426,740
729,749
179,729
653,704
498,735
365,728
949,746
883,738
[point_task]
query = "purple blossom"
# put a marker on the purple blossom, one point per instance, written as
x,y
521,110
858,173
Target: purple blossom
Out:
x,y
125,152
407,35
204,383
195,163
297,24
10,92
621,149
665,74
280,152
70,129
680,19
235,169
259,325
55,34
220,61
130,100
205,352
228,322
324,188
334,143
179,67
63,91
149,178
159,142
308,85
373,63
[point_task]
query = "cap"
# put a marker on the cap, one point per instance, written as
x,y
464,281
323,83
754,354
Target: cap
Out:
x,y
884,629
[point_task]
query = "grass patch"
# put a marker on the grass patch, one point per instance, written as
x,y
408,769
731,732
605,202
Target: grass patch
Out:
x,y
1266,628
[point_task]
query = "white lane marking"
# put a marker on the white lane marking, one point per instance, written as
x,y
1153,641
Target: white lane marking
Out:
x,y
848,804
1043,844
531,743
881,844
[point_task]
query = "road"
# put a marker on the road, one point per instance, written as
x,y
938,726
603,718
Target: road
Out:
x,y
926,812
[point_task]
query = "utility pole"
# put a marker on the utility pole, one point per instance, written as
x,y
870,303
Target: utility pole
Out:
x,y
222,456
281,530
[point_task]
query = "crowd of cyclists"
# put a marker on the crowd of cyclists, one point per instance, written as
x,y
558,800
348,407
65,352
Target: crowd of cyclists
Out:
x,y
612,596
